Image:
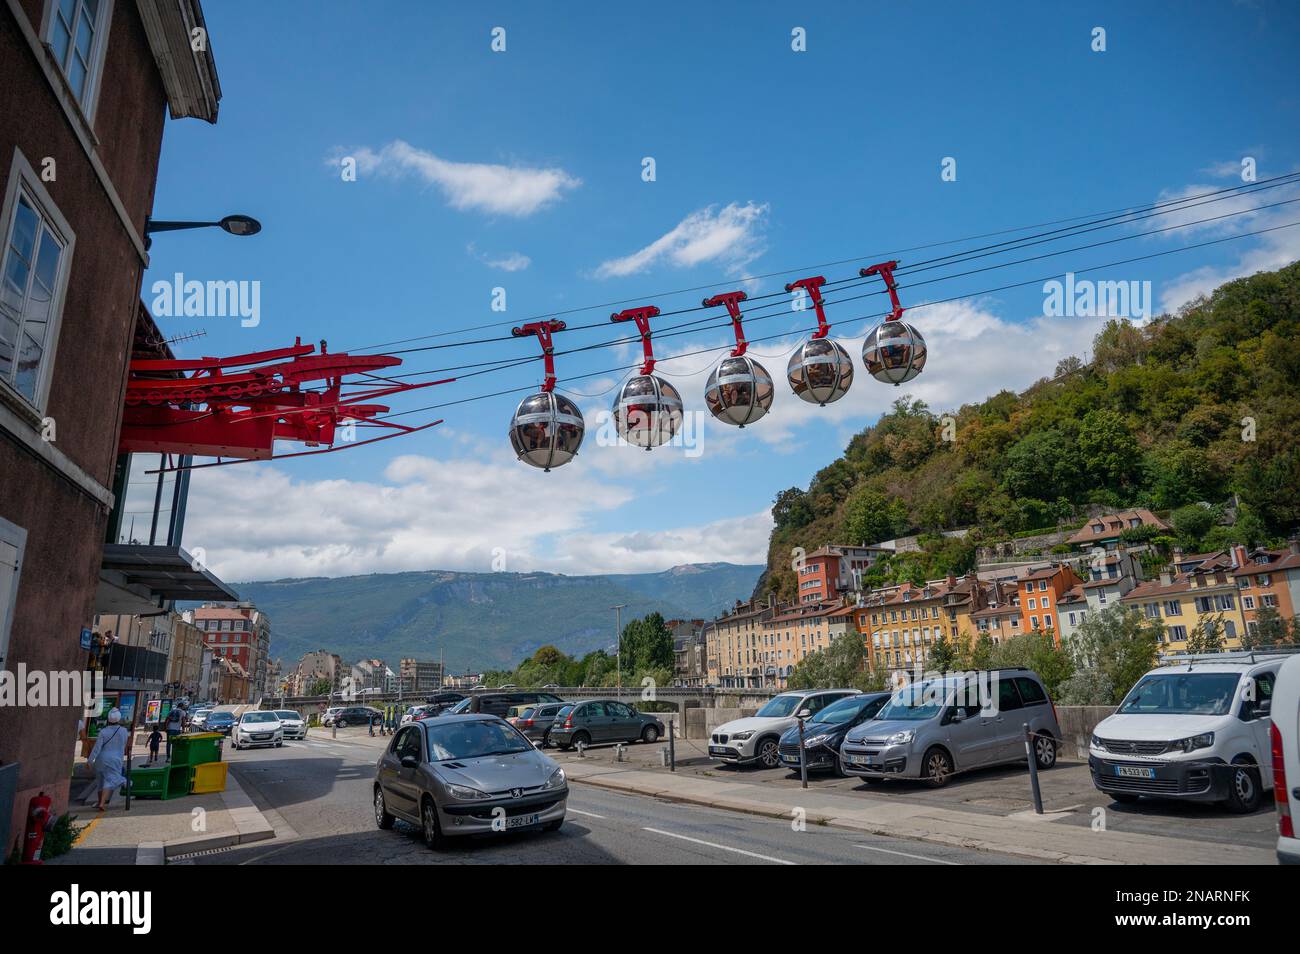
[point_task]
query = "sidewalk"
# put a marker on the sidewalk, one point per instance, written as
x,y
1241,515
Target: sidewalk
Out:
x,y
1026,835
155,830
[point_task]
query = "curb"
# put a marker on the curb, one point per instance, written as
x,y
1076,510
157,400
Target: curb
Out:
x,y
250,826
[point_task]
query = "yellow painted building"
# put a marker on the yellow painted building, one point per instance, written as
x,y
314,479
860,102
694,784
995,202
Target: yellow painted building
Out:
x,y
796,631
1181,601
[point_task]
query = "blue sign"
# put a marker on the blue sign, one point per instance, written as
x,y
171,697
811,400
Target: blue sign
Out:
x,y
85,639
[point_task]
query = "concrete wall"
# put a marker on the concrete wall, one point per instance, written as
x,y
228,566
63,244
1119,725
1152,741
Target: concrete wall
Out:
x,y
701,722
1077,724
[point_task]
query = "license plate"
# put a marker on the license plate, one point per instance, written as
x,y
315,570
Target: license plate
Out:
x,y
858,760
1134,771
521,821
790,759
717,750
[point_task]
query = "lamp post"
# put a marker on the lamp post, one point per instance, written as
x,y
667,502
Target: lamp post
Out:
x,y
618,634
234,224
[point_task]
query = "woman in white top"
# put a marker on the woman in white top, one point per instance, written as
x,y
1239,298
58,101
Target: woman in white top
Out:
x,y
108,756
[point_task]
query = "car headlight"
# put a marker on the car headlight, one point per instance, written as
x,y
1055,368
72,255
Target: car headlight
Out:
x,y
816,740
1203,741
1096,743
556,780
900,738
741,736
465,793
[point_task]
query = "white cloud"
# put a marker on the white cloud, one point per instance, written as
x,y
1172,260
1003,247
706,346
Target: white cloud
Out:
x,y
509,262
490,187
730,236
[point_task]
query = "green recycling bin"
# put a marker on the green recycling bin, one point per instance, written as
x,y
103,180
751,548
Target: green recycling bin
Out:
x,y
196,749
161,781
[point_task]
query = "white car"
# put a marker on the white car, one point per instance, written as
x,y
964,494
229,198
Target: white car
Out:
x,y
1286,759
331,714
294,725
758,738
257,727
1194,730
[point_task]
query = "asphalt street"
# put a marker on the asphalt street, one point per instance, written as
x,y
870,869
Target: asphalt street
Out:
x,y
317,794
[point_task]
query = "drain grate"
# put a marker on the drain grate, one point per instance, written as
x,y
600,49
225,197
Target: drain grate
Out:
x,y
199,854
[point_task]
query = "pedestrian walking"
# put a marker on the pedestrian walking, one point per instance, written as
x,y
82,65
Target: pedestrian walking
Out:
x,y
106,758
175,726
155,740
371,723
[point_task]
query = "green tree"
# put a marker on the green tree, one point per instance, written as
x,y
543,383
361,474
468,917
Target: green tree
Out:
x,y
321,687
1108,450
647,644
1119,643
1270,629
870,516
943,655
1034,650
1207,635
1192,523
838,666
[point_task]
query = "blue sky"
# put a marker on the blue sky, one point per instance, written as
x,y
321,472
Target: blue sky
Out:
x,y
522,170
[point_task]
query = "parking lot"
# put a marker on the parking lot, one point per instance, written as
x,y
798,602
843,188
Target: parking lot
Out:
x,y
1067,791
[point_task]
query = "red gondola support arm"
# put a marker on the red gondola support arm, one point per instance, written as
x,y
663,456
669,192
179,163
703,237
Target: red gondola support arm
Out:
x,y
813,288
732,302
543,330
641,316
886,271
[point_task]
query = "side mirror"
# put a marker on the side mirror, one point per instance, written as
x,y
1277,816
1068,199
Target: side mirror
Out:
x,y
409,761
803,713
958,714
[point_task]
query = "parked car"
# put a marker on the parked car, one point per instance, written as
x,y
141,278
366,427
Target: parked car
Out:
x,y
255,728
441,701
825,731
415,713
1197,730
536,724
603,720
1285,753
499,703
935,727
356,715
514,712
199,718
757,739
219,721
456,774
294,725
330,715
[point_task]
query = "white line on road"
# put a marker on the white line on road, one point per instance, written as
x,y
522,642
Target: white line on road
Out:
x,y
578,811
937,861
711,844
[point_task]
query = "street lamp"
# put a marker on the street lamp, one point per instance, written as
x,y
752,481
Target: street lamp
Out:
x,y
233,224
618,633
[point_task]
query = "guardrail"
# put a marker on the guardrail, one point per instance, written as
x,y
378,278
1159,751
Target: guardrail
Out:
x,y
681,697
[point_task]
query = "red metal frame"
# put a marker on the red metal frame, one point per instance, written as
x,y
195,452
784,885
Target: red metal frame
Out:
x,y
641,316
886,271
241,405
813,286
732,301
543,330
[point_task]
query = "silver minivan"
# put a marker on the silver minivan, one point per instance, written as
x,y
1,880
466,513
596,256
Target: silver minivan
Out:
x,y
935,727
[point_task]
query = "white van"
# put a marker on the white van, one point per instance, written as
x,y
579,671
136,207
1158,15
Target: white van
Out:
x,y
1195,728
1286,760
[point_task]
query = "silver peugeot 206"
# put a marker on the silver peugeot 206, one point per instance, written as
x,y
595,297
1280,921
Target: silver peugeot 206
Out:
x,y
466,775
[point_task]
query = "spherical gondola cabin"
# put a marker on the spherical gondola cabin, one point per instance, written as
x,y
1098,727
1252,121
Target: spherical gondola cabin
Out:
x,y
820,371
647,411
546,430
894,352
739,391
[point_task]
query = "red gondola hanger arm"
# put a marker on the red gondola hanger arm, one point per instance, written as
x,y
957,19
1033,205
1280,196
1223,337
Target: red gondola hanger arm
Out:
x,y
813,287
642,318
732,302
886,271
543,330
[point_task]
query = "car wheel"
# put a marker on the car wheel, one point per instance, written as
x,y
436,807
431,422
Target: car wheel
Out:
x,y
936,767
581,738
546,740
278,744
1243,789
1045,751
429,827
650,734
553,826
341,724
382,818
769,755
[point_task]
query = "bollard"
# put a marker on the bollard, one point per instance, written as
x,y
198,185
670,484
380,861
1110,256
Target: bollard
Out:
x,y
1033,770
582,748
663,757
618,752
334,730
803,761
672,749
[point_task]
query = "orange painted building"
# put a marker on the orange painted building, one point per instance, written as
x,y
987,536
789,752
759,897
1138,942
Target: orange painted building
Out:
x,y
1267,579
1041,588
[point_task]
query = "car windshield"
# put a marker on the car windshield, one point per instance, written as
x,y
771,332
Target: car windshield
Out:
x,y
840,712
917,702
472,740
1181,693
286,714
260,717
779,707
462,706
221,716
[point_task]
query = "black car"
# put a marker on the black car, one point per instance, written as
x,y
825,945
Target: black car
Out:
x,y
823,733
441,701
221,722
499,703
357,715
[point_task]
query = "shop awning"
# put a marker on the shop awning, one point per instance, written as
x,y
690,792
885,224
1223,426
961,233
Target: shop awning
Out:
x,y
137,579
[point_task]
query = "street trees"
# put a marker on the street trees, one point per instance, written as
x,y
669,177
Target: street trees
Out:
x,y
1119,644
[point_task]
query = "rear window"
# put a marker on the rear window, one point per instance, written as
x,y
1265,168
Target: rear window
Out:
x,y
563,711
1031,692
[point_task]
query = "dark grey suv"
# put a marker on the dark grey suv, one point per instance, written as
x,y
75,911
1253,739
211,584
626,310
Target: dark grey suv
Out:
x,y
466,775
603,720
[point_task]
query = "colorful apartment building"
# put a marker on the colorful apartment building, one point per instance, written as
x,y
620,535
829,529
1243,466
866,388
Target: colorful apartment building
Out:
x,y
1040,589
732,644
1268,579
792,633
831,571
1180,601
902,623
1000,617
1105,531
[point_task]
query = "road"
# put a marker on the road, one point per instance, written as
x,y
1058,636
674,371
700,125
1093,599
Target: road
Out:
x,y
317,795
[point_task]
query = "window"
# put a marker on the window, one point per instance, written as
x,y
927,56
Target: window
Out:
x,y
1173,608
1042,585
76,35
13,540
1248,602
1033,622
1270,600
1177,634
33,273
1047,622
1033,603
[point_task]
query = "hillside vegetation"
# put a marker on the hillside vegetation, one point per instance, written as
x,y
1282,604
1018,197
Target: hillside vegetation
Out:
x,y
1190,408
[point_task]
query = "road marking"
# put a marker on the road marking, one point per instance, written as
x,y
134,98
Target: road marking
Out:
x,y
578,811
937,861
713,844
87,830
